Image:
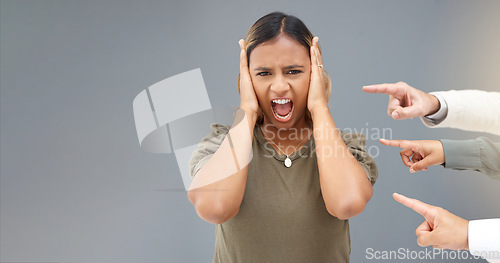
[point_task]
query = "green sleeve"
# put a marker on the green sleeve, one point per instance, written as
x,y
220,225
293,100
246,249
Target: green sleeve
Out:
x,y
480,155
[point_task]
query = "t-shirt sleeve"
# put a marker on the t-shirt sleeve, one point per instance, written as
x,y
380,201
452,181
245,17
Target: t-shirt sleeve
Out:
x,y
207,147
356,142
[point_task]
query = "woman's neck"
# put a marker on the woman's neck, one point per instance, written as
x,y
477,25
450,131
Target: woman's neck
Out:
x,y
288,140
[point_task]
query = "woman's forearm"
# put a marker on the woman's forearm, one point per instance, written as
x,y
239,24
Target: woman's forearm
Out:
x,y
344,184
217,188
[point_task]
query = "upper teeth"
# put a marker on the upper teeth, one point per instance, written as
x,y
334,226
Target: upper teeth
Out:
x,y
282,101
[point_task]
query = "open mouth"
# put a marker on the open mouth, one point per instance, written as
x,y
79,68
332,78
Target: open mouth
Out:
x,y
282,109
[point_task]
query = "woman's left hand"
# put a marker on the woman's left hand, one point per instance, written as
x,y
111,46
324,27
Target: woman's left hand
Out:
x,y
317,93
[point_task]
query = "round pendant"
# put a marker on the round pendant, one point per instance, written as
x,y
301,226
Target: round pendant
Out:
x,y
288,162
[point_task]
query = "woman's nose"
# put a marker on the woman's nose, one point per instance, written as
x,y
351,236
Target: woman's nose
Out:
x,y
280,83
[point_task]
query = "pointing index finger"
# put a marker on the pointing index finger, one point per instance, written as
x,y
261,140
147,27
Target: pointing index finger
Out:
x,y
396,143
417,206
389,89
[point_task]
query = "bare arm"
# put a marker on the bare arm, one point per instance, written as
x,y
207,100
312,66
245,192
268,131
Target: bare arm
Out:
x,y
344,184
217,188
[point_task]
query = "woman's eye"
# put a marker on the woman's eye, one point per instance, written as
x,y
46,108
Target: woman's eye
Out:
x,y
263,73
294,71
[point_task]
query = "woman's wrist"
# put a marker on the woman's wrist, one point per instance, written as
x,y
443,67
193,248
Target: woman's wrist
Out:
x,y
250,114
318,109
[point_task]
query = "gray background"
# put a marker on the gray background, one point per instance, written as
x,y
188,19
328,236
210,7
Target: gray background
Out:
x,y
75,185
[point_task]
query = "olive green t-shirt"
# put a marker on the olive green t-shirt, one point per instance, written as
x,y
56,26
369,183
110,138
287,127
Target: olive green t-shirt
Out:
x,y
282,217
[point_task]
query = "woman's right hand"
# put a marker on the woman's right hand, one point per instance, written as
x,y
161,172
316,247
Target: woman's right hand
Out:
x,y
248,98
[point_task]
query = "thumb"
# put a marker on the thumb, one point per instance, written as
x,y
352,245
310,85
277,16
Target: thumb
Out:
x,y
401,113
421,165
429,160
427,239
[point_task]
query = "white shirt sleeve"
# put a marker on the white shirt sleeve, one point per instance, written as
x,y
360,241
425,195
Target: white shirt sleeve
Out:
x,y
440,115
484,238
471,110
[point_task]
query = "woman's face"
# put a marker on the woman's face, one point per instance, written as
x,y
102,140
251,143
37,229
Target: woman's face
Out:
x,y
280,70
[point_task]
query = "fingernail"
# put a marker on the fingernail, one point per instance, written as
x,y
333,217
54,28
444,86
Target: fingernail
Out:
x,y
395,115
412,170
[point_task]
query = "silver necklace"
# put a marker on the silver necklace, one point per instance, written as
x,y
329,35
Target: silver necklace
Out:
x,y
288,161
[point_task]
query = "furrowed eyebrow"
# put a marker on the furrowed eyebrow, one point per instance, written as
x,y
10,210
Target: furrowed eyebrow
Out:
x,y
294,66
287,67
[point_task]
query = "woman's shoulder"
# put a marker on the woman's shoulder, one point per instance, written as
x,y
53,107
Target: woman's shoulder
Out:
x,y
216,135
208,146
219,129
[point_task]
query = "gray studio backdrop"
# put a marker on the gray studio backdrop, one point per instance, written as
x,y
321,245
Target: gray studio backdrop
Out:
x,y
76,186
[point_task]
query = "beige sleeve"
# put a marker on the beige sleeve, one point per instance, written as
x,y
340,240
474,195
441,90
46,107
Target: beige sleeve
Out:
x,y
207,147
356,142
471,110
